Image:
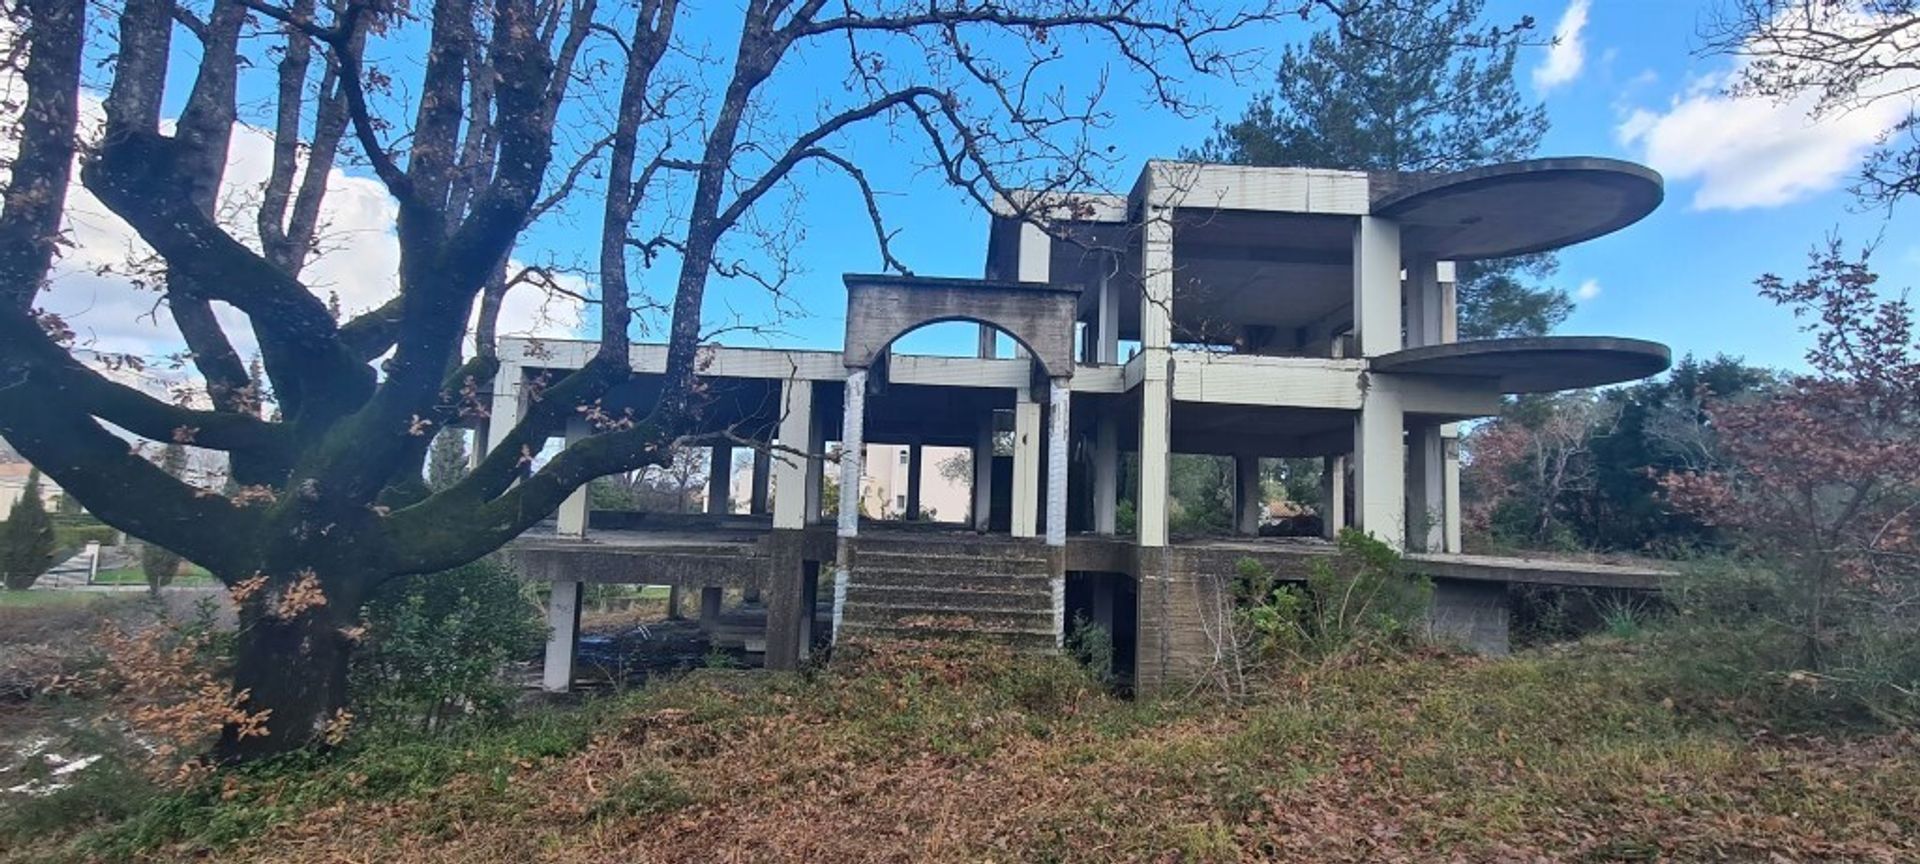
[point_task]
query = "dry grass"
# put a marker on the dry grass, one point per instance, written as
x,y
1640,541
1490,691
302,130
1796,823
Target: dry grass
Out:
x,y
945,753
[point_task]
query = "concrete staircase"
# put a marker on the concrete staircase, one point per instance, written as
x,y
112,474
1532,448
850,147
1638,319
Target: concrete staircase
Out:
x,y
945,588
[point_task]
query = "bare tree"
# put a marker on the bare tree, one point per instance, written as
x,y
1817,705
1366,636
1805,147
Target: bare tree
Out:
x,y
1847,55
687,168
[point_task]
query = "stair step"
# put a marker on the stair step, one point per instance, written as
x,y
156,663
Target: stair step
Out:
x,y
937,616
899,562
1027,639
953,581
947,596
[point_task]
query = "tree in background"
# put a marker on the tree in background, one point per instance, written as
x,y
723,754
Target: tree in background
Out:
x,y
478,118
1523,466
26,540
447,459
1820,478
158,563
1410,85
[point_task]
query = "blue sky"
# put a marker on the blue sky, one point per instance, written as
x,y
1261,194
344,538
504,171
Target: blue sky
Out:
x,y
1684,276
1751,186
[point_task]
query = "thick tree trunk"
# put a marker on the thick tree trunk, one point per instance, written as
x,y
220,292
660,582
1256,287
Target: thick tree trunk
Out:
x,y
295,668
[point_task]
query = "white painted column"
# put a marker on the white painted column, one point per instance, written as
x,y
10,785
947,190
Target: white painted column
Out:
x,y
1376,286
1026,465
719,479
571,521
852,449
1379,451
1246,494
1333,492
563,622
1380,465
504,413
1059,419
816,468
1156,387
1423,303
794,483
1106,474
983,473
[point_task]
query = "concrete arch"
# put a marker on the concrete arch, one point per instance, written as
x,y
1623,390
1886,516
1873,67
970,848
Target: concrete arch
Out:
x,y
1038,315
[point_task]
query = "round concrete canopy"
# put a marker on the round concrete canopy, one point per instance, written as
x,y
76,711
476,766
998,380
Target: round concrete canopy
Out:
x,y
1515,208
1535,364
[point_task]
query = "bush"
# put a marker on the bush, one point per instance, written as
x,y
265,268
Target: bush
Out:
x,y
434,646
1360,598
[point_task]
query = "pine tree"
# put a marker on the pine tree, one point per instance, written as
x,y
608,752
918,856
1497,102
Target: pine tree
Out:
x,y
447,462
158,563
26,541
1409,85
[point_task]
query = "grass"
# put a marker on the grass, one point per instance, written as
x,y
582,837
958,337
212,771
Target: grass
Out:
x,y
191,575
47,599
967,753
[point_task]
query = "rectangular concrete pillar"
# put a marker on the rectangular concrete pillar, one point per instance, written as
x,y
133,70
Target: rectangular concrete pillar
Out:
x,y
571,520
504,411
1026,465
785,598
1246,495
983,473
1450,482
674,612
809,602
1376,286
719,479
563,637
1380,465
1424,307
795,482
1426,489
816,470
1106,474
915,453
762,479
1333,495
1106,344
1059,421
710,599
1156,386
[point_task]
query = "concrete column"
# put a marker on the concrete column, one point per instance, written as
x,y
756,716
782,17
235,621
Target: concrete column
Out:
x,y
1423,303
1156,388
809,600
1473,615
1106,348
1426,489
1450,485
796,485
816,468
1059,419
914,454
504,412
1449,302
563,622
853,449
673,603
762,477
1246,494
1106,474
719,477
983,473
989,342
1380,465
1026,465
1333,495
710,597
1376,286
571,520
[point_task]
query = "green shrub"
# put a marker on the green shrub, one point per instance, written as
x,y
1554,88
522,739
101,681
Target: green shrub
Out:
x,y
1358,598
26,539
1092,645
435,645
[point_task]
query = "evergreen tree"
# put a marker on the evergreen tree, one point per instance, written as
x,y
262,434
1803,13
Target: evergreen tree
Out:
x,y
26,541
158,563
447,462
1409,85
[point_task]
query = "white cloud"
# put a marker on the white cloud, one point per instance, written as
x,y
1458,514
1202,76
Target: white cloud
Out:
x,y
1588,290
1756,151
1568,54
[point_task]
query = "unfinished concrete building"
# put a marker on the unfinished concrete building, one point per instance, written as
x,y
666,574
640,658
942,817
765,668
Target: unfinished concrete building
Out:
x,y
1253,313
